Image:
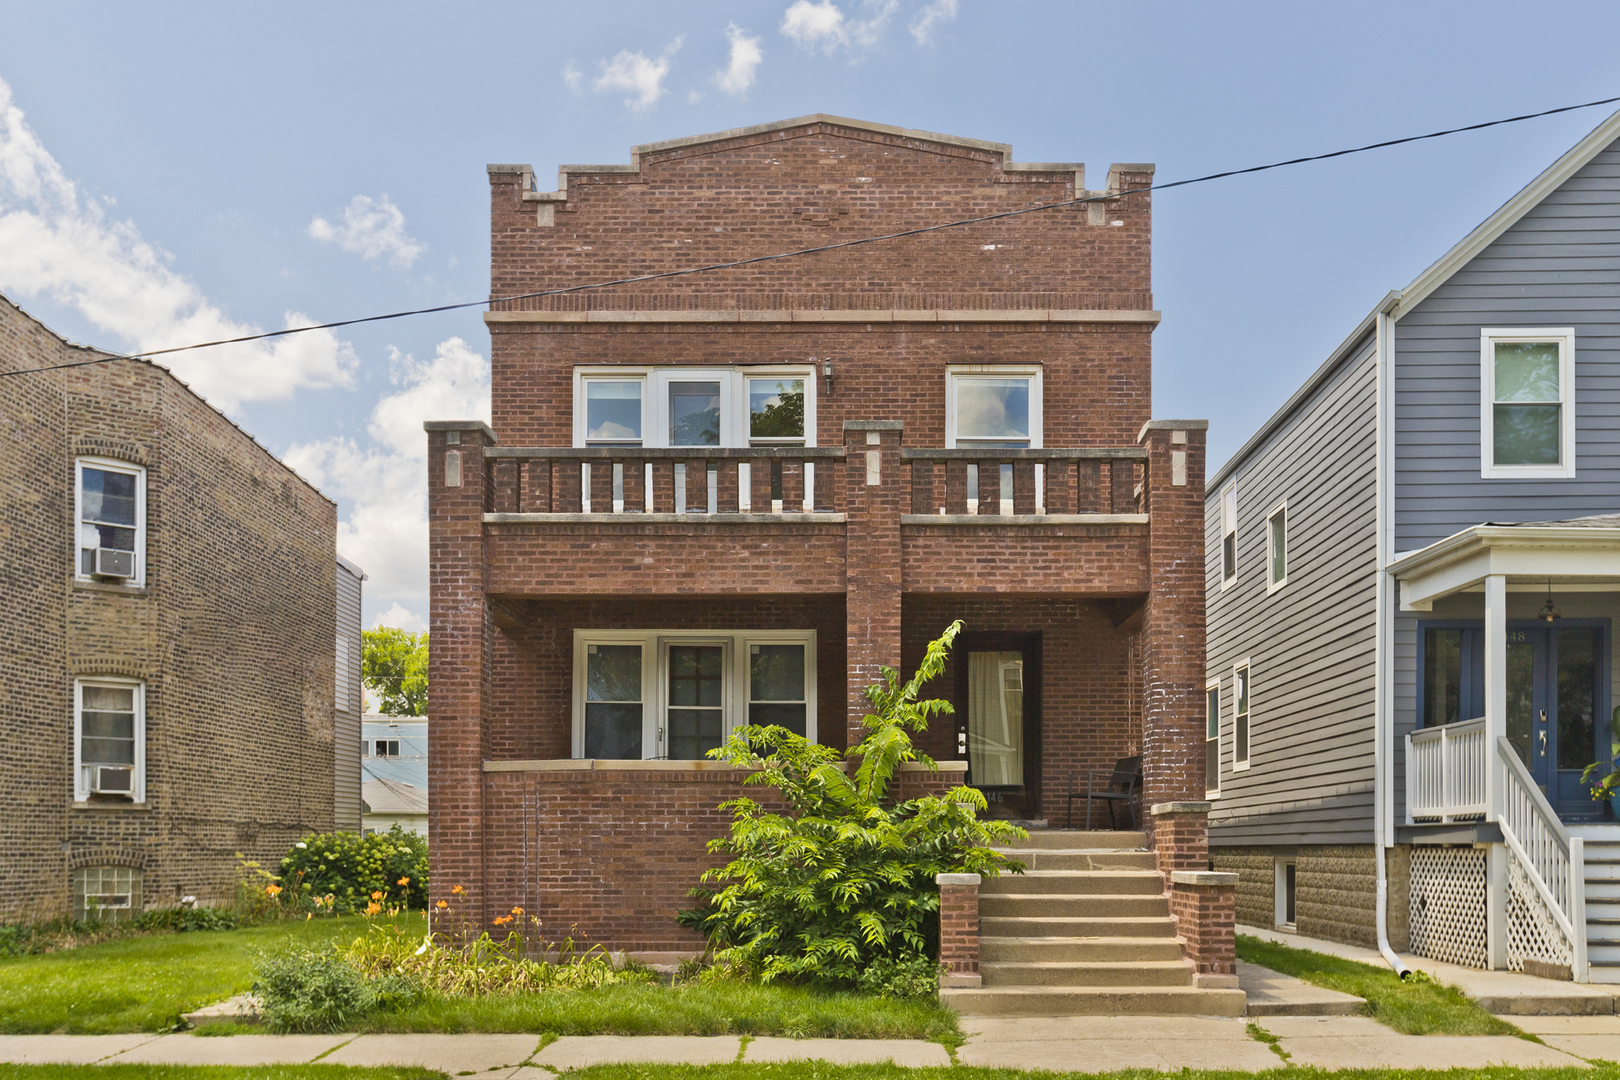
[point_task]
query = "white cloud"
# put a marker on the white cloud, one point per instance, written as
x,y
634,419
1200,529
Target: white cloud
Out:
x,y
693,97
823,25
373,229
940,11
400,618
633,71
572,77
386,480
55,243
746,56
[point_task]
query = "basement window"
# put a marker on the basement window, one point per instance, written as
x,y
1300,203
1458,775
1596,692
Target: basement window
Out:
x,y
1287,894
106,893
673,694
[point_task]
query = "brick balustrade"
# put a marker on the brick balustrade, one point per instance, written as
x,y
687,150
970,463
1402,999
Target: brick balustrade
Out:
x,y
959,929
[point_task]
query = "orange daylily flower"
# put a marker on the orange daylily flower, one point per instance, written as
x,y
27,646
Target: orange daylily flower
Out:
x,y
376,896
403,881
273,890
373,907
458,890
517,911
442,904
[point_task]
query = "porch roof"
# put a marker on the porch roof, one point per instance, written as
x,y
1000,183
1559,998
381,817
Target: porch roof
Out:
x,y
1575,551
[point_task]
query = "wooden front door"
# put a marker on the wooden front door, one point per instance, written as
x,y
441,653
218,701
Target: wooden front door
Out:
x,y
998,719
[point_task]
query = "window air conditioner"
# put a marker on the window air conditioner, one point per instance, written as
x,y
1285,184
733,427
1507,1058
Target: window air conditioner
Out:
x,y
113,780
110,562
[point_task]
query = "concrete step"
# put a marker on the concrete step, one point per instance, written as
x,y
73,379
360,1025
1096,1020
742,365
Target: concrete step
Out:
x,y
1072,839
1078,949
1094,1001
1607,974
1135,973
1081,859
1076,926
1076,883
1060,906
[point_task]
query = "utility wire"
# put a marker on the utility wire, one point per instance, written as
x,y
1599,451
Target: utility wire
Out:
x,y
662,275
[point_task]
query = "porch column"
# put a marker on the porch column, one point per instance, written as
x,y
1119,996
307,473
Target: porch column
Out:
x,y
876,493
1495,685
1172,633
458,667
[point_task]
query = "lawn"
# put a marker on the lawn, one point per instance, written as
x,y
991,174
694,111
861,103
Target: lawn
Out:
x,y
144,983
1418,1006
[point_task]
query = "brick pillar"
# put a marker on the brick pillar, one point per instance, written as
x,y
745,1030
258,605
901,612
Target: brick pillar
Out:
x,y
876,493
458,665
959,929
1180,836
1203,904
1172,633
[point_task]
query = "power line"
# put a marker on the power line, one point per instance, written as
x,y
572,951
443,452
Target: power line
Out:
x,y
662,275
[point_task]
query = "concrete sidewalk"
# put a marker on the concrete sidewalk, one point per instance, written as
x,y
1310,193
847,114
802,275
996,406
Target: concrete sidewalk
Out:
x,y
1505,993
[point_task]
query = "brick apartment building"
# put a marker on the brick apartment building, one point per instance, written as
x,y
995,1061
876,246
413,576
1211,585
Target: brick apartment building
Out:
x,y
730,497
168,677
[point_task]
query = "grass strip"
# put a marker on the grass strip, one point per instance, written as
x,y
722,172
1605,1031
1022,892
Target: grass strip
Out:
x,y
1260,1034
730,1009
1418,1006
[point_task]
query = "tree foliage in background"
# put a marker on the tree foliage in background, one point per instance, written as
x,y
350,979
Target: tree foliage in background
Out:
x,y
394,666
844,882
352,868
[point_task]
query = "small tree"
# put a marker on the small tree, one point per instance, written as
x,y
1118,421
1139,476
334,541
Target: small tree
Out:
x,y
394,666
845,880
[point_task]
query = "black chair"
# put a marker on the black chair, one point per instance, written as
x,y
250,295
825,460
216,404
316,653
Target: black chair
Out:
x,y
1120,785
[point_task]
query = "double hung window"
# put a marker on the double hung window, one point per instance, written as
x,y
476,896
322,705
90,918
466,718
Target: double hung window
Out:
x,y
1277,548
679,694
1527,411
1240,716
993,407
111,521
109,736
1212,739
1228,535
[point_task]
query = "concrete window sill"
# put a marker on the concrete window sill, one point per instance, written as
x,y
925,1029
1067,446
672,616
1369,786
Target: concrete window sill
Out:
x,y
123,806
109,587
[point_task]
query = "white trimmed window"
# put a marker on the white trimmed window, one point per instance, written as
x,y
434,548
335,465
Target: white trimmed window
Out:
x,y
1287,892
1527,407
994,407
1212,738
1240,716
1277,548
733,406
106,893
109,740
1228,535
677,694
110,517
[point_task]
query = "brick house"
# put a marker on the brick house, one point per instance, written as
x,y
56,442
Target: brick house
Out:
x,y
168,677
730,497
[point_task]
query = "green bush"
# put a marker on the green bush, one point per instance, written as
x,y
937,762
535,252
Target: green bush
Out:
x,y
844,882
314,991
915,976
352,868
185,919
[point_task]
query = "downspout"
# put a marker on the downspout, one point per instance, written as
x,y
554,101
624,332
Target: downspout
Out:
x,y
1383,660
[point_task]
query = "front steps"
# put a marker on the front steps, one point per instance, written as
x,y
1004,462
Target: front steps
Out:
x,y
1602,857
1085,931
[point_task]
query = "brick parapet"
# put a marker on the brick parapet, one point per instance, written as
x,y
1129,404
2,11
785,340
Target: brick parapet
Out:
x,y
959,929
874,499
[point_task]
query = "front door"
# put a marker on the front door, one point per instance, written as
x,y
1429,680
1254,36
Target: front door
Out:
x,y
998,720
1555,695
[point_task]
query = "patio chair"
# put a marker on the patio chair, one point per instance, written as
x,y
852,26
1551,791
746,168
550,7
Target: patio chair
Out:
x,y
1121,785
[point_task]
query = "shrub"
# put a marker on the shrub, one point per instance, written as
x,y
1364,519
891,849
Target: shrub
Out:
x,y
844,882
186,919
311,991
352,869
914,976
486,965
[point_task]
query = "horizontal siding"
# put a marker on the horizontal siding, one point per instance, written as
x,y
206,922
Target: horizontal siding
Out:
x,y
346,720
1559,265
1310,644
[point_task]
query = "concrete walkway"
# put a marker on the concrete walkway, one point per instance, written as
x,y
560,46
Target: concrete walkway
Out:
x,y
1271,993
1505,993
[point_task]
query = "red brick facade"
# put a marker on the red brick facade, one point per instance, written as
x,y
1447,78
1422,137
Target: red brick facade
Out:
x,y
1086,570
231,633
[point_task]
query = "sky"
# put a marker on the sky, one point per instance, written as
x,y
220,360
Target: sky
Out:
x,y
185,171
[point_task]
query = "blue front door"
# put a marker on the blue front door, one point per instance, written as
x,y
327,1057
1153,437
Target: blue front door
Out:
x,y
1554,695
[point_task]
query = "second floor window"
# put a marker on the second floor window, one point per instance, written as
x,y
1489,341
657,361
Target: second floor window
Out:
x,y
993,407
1212,740
1229,535
111,540
1240,717
667,407
1277,548
109,720
1527,415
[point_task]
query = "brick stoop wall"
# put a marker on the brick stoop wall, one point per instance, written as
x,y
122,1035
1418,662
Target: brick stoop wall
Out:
x,y
1203,902
959,929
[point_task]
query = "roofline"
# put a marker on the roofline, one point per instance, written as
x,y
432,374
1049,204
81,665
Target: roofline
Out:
x,y
1509,214
351,568
1461,544
819,118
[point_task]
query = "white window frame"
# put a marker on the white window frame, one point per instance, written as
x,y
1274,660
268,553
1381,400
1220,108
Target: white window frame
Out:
x,y
1246,717
81,776
1037,408
1488,339
109,465
1280,892
733,382
1215,685
654,687
1229,515
1273,584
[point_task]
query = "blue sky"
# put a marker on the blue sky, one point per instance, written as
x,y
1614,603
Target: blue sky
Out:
x,y
175,171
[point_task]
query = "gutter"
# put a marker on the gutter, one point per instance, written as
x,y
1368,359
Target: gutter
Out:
x,y
1383,665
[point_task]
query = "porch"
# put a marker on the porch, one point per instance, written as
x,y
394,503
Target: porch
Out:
x,y
1509,634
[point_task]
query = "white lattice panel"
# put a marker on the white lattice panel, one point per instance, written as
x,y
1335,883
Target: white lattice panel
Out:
x,y
1532,934
1448,905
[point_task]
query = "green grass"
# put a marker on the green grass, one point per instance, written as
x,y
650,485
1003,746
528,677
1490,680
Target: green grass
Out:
x,y
214,1072
1418,1006
729,1009
144,983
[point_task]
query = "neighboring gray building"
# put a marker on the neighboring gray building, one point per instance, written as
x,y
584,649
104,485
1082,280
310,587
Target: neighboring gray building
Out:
x,y
1391,668
350,703
395,748
390,802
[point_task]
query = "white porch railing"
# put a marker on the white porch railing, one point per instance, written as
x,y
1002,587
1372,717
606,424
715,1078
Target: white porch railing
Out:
x,y
1446,772
1546,877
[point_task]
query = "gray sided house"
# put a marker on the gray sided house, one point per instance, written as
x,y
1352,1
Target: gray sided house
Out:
x,y
1413,576
349,701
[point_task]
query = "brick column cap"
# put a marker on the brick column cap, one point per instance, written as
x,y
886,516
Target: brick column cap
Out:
x,y
460,425
1203,877
1180,808
965,879
874,425
1171,425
